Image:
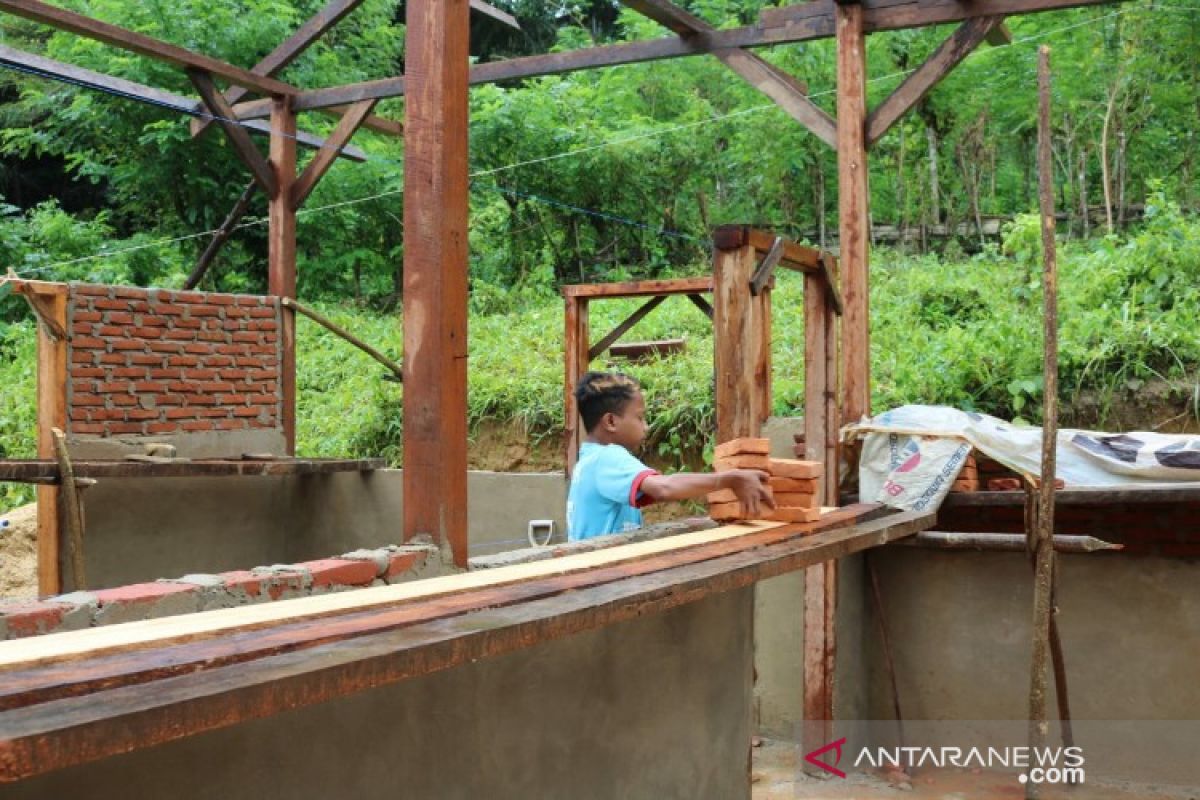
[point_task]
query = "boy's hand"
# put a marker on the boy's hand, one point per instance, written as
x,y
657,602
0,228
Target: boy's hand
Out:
x,y
751,488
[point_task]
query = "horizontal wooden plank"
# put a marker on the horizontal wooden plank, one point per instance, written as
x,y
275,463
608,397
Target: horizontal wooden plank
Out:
x,y
795,256
43,470
58,70
49,736
1085,496
640,288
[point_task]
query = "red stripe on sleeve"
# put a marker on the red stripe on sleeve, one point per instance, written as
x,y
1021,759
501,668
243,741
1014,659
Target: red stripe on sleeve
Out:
x,y
635,489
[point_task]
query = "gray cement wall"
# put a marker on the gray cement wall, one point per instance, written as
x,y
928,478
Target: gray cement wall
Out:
x,y
140,529
655,708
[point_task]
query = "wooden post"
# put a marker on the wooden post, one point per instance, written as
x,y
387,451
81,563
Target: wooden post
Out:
x,y
435,273
575,345
281,275
853,201
52,413
741,339
1042,535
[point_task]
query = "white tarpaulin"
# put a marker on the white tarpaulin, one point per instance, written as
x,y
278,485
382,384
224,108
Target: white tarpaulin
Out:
x,y
912,454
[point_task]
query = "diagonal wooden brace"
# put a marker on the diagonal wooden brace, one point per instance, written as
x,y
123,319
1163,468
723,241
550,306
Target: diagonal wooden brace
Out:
x,y
260,168
329,151
766,268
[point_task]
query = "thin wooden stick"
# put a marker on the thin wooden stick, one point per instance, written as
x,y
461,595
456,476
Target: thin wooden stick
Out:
x,y
889,663
73,506
1042,543
349,337
221,236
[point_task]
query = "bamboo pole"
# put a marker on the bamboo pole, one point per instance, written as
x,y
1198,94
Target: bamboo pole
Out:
x,y
1003,542
342,332
1041,533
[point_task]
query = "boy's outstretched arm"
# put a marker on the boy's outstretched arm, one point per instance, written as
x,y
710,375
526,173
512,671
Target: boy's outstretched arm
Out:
x,y
750,486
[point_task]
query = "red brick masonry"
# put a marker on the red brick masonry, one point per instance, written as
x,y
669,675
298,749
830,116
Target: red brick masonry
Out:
x,y
153,362
392,564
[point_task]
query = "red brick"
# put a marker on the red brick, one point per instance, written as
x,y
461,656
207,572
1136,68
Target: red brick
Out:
x,y
162,427
234,374
168,400
247,336
124,427
181,413
262,399
203,311
112,305
147,333
149,386
189,297
131,292
119,318
200,374
234,325
255,362
156,374
109,414
179,386
262,313
87,427
402,562
127,344
182,336
142,593
213,337
114,358
83,329
196,349
232,399
200,399
221,299
183,361
151,321
247,411
188,324
83,386
218,361
129,372
122,400
112,386
167,309
112,330
145,359
83,357
141,414
88,372
87,400
87,343
214,387
231,424
87,316
91,290
340,572
79,415
232,350
249,300
245,580
236,313
211,413
197,425
262,348
30,619
270,338
257,423
264,325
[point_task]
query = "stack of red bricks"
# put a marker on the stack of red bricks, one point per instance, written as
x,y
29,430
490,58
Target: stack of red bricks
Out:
x,y
968,479
984,473
795,484
152,362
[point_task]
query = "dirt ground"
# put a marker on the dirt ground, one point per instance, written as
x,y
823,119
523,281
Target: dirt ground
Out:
x,y
776,775
18,553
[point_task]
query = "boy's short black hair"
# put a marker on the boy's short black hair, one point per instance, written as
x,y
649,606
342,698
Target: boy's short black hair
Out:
x,y
599,393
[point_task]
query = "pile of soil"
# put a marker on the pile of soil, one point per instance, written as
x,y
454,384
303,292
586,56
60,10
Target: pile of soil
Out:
x,y
18,553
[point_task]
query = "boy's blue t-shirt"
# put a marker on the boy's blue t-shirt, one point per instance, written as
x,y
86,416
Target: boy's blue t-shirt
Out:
x,y
605,494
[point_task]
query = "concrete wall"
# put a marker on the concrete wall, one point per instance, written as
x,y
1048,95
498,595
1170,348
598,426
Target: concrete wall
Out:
x,y
140,529
655,708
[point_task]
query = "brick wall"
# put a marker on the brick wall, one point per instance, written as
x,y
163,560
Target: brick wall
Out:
x,y
153,362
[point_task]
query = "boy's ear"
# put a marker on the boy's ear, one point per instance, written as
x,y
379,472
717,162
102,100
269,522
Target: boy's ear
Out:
x,y
609,420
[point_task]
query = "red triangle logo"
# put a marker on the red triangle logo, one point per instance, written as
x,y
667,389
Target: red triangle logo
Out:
x,y
816,762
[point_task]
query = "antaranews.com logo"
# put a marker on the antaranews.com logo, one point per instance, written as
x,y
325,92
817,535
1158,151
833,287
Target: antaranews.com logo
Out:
x,y
1041,765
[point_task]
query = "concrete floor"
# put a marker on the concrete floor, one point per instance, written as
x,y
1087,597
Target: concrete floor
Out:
x,y
776,776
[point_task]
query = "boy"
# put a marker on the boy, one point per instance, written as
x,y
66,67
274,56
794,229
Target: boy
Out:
x,y
610,486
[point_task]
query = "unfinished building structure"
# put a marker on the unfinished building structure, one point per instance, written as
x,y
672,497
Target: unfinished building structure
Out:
x,y
622,671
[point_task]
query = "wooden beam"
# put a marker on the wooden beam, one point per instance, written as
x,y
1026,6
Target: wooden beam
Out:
x,y
800,23
238,137
338,330
435,273
281,265
765,270
999,36
221,236
124,39
699,302
489,10
795,256
319,660
786,91
51,414
314,28
325,157
949,54
616,333
59,71
651,288
853,214
575,365
741,345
